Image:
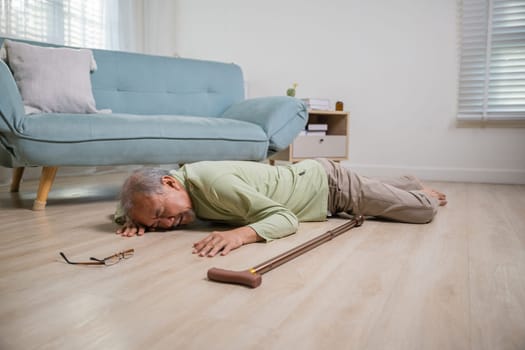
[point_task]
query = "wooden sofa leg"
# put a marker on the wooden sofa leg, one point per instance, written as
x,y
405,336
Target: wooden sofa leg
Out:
x,y
46,181
17,178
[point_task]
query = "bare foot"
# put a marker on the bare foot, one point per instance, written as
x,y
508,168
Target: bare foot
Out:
x,y
441,197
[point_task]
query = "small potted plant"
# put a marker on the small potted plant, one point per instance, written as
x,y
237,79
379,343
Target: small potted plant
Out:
x,y
291,91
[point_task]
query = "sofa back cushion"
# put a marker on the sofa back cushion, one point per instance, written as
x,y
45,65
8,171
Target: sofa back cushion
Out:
x,y
52,79
145,84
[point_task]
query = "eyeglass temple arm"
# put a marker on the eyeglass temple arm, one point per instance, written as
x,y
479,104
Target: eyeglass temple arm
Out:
x,y
66,259
79,263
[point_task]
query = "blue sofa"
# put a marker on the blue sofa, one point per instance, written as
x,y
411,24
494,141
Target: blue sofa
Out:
x,y
164,110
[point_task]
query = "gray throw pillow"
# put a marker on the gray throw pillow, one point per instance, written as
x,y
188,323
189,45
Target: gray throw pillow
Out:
x,y
52,80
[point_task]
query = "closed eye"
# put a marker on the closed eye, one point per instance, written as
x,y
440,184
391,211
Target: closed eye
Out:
x,y
153,226
158,216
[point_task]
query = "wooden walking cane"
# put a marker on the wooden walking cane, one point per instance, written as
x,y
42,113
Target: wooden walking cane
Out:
x,y
253,277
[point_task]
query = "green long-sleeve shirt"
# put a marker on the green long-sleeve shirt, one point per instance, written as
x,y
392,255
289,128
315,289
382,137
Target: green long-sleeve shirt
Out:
x,y
270,199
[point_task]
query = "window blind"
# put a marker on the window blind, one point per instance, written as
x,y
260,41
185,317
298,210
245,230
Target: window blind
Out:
x,y
492,64
66,22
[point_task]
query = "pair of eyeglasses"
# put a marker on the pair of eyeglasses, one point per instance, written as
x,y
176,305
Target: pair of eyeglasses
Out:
x,y
108,261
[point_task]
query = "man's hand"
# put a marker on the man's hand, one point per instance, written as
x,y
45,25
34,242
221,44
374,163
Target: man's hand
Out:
x,y
225,241
130,229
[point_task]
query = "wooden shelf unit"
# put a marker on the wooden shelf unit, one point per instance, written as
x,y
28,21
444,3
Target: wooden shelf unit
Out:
x,y
333,145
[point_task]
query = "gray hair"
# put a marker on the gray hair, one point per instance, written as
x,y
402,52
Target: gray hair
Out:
x,y
147,181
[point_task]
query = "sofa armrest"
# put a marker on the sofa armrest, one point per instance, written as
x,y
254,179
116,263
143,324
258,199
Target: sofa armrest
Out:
x,y
281,118
11,105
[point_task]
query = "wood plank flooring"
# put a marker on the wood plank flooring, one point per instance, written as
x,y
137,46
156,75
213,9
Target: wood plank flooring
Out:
x,y
456,283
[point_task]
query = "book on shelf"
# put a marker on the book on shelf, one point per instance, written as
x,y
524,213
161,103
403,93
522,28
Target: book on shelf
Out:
x,y
317,127
316,100
317,103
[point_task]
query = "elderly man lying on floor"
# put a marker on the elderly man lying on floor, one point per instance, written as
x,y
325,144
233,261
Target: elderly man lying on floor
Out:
x,y
264,202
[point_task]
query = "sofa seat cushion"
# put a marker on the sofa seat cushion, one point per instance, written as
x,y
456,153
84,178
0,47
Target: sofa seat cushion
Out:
x,y
118,139
65,128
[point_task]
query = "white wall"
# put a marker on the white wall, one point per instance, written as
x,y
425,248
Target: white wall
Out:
x,y
393,63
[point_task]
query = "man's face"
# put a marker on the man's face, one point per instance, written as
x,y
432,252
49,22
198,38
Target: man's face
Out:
x,y
163,211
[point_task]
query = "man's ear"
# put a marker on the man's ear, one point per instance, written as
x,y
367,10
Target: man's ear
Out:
x,y
171,182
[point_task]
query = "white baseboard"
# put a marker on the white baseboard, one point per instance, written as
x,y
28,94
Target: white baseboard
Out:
x,y
478,175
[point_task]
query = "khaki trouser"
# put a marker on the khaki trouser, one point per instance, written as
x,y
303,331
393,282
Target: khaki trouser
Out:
x,y
396,199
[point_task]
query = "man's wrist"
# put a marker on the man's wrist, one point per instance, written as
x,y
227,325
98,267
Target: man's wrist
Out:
x,y
249,235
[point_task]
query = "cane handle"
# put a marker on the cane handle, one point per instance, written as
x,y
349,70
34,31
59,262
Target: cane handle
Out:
x,y
249,278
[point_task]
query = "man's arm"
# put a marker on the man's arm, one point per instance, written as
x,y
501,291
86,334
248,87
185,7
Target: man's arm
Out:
x,y
225,241
263,218
242,204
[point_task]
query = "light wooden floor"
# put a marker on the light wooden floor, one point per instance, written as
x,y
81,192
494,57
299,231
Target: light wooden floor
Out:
x,y
457,283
